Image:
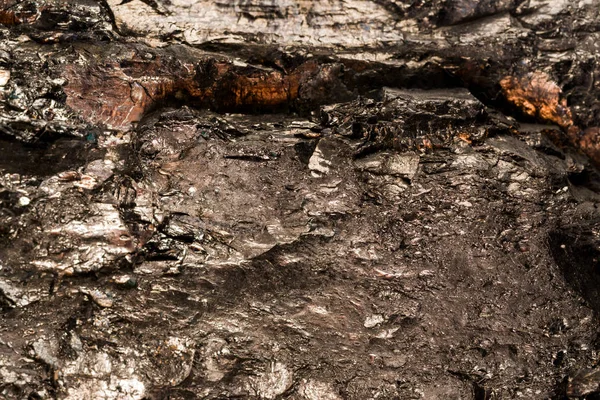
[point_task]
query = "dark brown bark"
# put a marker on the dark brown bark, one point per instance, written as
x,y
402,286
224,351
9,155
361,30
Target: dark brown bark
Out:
x,y
343,199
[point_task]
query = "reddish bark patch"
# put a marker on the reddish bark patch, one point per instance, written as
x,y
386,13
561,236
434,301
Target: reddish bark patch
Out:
x,y
537,96
8,18
118,94
588,141
107,95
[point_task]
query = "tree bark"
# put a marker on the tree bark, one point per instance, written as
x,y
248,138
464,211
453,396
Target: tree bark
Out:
x,y
329,199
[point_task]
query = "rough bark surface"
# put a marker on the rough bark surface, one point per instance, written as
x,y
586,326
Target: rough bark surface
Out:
x,y
344,199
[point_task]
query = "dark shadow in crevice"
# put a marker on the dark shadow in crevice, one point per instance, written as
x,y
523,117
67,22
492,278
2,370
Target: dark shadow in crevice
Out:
x,y
44,158
577,253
